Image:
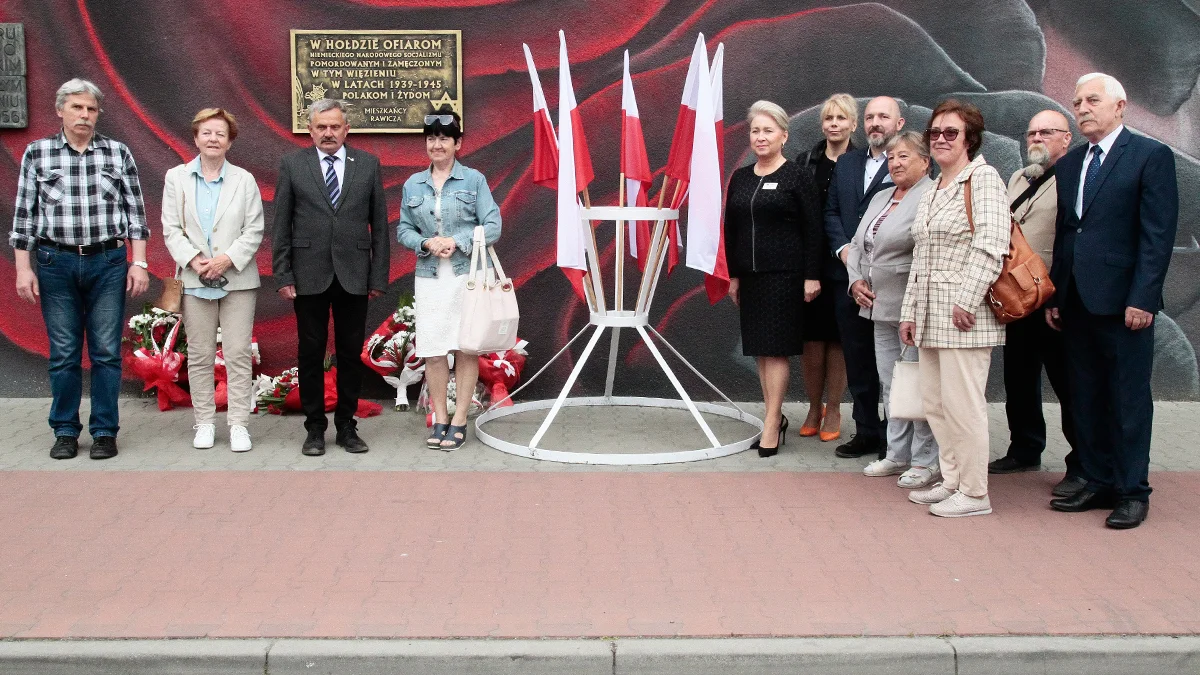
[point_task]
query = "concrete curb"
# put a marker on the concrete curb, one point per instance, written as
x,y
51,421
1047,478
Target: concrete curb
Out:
x,y
1101,655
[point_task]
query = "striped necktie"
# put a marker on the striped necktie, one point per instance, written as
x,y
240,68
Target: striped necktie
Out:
x,y
331,181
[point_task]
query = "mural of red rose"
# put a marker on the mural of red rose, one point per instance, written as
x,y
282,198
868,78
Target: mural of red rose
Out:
x,y
160,62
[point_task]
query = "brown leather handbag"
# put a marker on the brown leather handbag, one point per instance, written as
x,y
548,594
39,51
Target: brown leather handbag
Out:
x,y
171,299
1024,283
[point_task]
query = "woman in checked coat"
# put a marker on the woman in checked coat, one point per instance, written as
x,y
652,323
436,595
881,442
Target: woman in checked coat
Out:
x,y
945,312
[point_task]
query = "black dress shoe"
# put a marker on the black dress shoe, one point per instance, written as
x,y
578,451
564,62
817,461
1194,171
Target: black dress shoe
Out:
x,y
1129,514
65,447
1084,500
1069,486
314,445
1010,465
859,447
103,447
348,439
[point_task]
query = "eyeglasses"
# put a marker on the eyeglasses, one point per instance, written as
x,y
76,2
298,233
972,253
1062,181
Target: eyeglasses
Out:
x,y
949,133
445,120
1034,133
219,282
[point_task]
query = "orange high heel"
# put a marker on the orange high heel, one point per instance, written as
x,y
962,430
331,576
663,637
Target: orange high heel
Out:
x,y
813,431
829,435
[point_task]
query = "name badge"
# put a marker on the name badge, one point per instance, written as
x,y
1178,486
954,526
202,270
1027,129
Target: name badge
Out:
x,y
770,186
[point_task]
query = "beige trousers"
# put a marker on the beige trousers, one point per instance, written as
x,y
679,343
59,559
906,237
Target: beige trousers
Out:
x,y
952,390
234,313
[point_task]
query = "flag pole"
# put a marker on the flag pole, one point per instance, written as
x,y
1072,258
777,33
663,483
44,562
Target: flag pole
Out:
x,y
593,253
655,249
619,282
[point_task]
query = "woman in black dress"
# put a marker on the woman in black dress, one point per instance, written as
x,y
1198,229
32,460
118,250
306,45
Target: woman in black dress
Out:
x,y
824,365
773,245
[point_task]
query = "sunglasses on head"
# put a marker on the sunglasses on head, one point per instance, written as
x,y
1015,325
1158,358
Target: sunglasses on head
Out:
x,y
949,133
444,120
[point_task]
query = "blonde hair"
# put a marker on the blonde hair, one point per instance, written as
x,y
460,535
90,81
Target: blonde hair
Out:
x,y
844,103
772,110
215,114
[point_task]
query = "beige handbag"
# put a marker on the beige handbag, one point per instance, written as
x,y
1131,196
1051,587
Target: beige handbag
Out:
x,y
171,299
904,401
489,311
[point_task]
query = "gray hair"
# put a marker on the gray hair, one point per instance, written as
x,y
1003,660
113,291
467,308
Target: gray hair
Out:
x,y
772,110
327,104
913,139
77,86
1112,87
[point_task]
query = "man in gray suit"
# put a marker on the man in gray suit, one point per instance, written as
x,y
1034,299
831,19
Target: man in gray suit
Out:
x,y
331,249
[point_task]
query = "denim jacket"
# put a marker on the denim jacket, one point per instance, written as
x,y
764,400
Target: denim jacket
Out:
x,y
466,202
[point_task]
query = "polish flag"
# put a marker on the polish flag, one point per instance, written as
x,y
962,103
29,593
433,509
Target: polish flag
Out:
x,y
574,174
545,145
679,162
636,167
702,254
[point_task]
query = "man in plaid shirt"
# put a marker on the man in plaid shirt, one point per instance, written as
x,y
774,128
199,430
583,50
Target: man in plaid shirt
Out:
x,y
78,201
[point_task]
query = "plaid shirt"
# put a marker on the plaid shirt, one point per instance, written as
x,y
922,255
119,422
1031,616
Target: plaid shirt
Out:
x,y
77,198
951,266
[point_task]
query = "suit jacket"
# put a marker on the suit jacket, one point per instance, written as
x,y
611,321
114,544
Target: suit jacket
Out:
x,y
314,241
1037,214
951,266
237,226
846,203
892,253
1119,251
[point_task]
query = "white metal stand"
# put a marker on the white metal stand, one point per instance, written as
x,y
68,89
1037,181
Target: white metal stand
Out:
x,y
615,319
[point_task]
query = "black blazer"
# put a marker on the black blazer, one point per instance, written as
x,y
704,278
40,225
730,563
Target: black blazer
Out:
x,y
772,223
1119,251
848,201
313,241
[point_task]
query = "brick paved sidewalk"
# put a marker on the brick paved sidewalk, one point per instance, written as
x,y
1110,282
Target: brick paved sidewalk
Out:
x,y
529,549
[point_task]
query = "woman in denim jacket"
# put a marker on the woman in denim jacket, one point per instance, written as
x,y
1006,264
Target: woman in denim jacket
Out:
x,y
439,211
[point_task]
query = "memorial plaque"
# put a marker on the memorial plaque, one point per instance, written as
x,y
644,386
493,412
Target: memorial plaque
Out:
x,y
14,104
391,79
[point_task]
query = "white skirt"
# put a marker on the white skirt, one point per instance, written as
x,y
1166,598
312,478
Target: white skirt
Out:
x,y
438,306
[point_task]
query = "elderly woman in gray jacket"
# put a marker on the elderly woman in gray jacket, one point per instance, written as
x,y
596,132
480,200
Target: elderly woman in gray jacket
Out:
x,y
881,255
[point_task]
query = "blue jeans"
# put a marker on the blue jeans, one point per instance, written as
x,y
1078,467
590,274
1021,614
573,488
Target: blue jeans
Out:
x,y
83,294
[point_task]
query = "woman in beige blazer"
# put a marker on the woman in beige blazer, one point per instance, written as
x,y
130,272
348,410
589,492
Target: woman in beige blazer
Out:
x,y
212,218
945,313
880,258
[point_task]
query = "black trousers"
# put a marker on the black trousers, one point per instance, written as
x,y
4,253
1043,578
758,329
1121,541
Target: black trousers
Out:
x,y
1030,344
862,377
312,328
1108,368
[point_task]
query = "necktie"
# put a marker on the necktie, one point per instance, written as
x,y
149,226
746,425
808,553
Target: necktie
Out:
x,y
1093,173
331,181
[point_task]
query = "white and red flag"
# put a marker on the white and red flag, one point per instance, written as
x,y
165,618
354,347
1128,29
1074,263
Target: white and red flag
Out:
x,y
574,174
636,167
706,235
679,162
545,145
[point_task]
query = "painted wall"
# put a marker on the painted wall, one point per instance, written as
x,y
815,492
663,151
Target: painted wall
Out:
x,y
159,62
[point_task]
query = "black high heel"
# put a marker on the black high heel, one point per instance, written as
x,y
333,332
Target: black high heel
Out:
x,y
770,452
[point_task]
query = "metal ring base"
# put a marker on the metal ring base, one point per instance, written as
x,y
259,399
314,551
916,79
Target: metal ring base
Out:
x,y
616,459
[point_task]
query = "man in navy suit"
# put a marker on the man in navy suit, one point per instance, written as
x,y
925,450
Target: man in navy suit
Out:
x,y
858,175
1118,207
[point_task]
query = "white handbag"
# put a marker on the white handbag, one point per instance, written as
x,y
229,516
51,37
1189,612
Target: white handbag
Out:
x,y
904,401
489,311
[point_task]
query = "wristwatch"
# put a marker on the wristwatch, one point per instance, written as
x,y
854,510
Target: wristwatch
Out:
x,y
142,264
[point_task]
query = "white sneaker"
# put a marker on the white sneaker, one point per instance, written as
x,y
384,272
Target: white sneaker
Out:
x,y
960,505
933,495
205,434
919,477
883,467
239,438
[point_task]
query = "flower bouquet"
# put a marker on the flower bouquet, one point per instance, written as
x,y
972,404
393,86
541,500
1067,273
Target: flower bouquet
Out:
x,y
500,371
391,351
159,353
282,393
